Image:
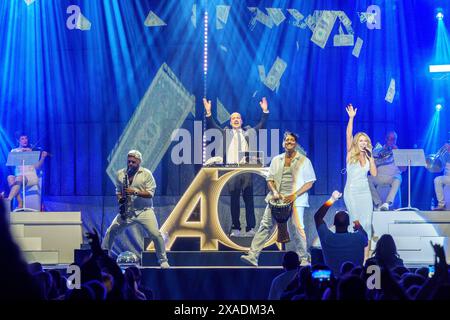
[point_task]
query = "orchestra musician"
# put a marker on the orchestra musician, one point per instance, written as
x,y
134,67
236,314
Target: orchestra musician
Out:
x,y
28,172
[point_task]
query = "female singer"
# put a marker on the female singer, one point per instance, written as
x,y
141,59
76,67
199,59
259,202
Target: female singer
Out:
x,y
28,172
357,196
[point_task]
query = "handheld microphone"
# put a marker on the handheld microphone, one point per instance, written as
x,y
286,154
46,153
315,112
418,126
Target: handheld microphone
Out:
x,y
368,153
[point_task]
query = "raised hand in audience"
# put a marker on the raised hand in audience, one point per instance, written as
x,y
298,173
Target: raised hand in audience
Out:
x,y
94,241
440,263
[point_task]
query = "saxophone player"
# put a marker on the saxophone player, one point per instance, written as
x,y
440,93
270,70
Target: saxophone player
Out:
x,y
388,173
135,200
441,181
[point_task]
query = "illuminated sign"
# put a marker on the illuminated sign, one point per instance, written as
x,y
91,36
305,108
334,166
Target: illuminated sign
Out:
x,y
205,189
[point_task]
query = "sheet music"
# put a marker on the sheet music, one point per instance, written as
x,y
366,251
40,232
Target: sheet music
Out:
x,y
16,158
403,156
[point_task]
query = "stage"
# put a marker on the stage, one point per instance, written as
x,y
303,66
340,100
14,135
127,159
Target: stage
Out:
x,y
52,238
216,275
187,116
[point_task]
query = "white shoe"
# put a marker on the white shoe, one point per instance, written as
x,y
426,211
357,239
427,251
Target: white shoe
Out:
x,y
248,260
165,265
235,233
439,208
250,233
384,207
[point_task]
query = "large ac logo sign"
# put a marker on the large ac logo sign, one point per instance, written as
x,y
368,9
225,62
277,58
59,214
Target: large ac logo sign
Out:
x,y
205,189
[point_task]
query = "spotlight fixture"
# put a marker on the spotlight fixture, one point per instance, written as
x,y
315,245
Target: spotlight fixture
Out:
x,y
439,14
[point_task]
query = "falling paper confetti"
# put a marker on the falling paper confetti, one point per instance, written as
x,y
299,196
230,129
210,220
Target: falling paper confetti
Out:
x,y
262,73
260,17
222,13
272,80
154,21
343,40
357,48
323,28
390,92
83,23
194,16
277,15
222,113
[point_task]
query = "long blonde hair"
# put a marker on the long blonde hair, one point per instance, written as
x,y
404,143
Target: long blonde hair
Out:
x,y
354,150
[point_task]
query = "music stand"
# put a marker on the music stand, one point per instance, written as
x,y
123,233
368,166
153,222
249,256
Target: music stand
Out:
x,y
410,158
27,158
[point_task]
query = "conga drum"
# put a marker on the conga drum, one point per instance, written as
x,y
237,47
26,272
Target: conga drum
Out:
x,y
281,212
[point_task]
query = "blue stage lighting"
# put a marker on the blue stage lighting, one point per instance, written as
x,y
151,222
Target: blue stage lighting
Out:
x,y
439,14
438,107
439,68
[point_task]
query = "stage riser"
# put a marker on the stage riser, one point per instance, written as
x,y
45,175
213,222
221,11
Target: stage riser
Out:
x,y
412,232
208,258
193,243
413,229
43,257
29,243
17,230
58,232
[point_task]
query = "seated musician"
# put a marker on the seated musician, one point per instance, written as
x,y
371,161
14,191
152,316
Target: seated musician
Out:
x,y
28,172
441,181
388,173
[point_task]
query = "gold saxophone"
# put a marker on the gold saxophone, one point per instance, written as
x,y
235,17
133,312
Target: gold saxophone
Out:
x,y
124,202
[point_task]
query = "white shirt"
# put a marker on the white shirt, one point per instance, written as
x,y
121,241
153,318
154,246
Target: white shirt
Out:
x,y
302,172
390,170
233,148
387,167
143,181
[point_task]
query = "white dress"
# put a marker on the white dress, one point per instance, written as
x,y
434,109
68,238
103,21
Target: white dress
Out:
x,y
357,196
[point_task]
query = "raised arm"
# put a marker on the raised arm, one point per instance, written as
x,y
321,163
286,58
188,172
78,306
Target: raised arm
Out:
x,y
265,109
210,122
349,133
320,214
